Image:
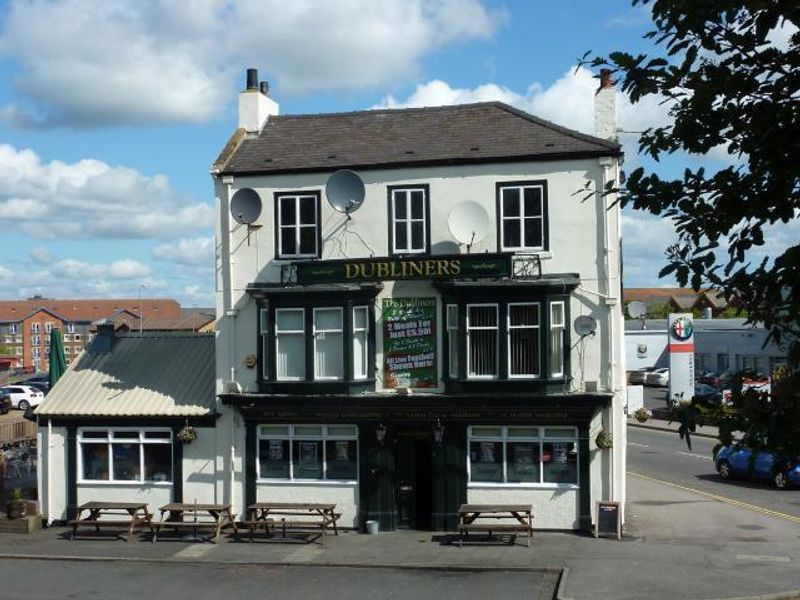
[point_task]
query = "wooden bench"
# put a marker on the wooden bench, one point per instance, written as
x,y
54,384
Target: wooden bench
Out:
x,y
212,517
520,515
137,515
279,516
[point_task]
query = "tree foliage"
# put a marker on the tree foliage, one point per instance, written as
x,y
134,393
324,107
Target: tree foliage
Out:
x,y
728,86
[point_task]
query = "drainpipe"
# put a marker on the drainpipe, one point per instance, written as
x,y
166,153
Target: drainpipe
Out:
x,y
49,468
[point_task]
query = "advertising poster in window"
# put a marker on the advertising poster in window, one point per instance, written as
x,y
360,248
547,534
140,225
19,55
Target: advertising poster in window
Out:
x,y
409,342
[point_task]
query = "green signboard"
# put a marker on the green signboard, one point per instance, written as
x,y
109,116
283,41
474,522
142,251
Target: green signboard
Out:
x,y
409,342
458,266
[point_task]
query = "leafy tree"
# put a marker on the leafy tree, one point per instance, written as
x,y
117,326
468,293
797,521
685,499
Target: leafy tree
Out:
x,y
727,85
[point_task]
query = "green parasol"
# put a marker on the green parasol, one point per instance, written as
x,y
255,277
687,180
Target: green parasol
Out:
x,y
58,362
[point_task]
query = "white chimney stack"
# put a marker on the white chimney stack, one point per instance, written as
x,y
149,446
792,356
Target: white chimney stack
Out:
x,y
255,106
605,108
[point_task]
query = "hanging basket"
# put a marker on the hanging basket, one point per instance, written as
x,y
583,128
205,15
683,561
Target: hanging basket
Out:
x,y
187,434
642,414
604,441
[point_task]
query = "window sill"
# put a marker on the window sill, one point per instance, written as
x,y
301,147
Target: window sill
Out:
x,y
156,484
308,482
523,486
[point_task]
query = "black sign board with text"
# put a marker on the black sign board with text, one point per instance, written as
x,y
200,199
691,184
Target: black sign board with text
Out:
x,y
608,520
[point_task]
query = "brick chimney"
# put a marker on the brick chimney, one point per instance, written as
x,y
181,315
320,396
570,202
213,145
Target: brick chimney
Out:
x,y
605,108
255,106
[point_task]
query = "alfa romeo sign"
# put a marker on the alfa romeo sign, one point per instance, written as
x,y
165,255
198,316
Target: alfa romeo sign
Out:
x,y
680,343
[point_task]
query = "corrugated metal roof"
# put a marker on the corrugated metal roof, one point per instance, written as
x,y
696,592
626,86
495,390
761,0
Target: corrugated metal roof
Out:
x,y
147,374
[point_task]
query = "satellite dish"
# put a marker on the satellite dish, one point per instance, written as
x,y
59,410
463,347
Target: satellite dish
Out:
x,y
585,325
345,191
637,309
468,222
246,206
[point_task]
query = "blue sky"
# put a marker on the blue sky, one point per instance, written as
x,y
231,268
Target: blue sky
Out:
x,y
111,113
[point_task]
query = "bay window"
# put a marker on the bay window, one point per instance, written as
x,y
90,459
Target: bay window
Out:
x,y
482,340
557,327
452,340
360,342
328,343
523,340
290,351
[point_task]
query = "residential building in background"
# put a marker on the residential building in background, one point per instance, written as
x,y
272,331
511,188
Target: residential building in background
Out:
x,y
661,301
25,325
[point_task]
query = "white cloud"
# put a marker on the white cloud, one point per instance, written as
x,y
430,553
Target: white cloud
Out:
x,y
194,252
90,198
41,255
160,61
569,101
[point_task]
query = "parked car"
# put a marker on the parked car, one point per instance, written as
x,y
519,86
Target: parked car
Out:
x,y
715,378
5,403
658,377
638,377
23,396
735,461
707,394
42,386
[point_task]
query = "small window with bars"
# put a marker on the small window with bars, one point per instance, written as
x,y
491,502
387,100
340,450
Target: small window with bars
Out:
x,y
482,340
523,340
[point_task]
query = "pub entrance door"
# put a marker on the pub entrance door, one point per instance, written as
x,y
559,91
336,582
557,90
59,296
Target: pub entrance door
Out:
x,y
414,480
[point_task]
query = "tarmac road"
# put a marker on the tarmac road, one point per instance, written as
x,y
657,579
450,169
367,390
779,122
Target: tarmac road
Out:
x,y
131,581
664,456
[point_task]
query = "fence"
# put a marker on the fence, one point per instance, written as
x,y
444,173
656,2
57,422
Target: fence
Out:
x,y
16,431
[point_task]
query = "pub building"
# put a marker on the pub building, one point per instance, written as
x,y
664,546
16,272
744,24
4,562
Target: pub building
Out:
x,y
419,308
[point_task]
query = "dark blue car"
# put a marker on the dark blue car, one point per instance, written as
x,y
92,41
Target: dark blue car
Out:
x,y
734,461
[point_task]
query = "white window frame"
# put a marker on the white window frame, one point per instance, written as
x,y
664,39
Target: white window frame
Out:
x,y
36,352
521,218
36,340
263,321
12,328
109,440
70,327
453,341
291,436
35,328
300,332
48,327
538,350
297,226
404,195
361,331
316,333
496,329
505,438
562,327
76,337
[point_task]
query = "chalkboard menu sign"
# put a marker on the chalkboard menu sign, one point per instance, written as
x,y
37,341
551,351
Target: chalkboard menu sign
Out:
x,y
608,520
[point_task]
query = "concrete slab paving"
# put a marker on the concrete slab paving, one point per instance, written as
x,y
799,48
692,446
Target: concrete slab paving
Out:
x,y
677,544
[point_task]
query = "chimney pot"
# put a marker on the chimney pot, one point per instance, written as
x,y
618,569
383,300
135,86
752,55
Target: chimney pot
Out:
x,y
252,79
265,88
605,78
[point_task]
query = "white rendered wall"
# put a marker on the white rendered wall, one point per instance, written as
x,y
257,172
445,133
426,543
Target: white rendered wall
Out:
x,y
199,473
344,495
552,508
154,495
53,497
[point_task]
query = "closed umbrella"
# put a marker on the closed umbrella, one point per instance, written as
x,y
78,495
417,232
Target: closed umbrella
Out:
x,y
58,362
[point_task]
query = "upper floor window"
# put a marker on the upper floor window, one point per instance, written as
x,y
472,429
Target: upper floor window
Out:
x,y
321,334
70,327
297,225
36,340
48,327
409,226
557,329
12,328
36,327
482,340
522,216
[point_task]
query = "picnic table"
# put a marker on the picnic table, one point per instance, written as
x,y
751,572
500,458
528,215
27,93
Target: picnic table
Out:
x,y
107,514
498,518
212,517
310,517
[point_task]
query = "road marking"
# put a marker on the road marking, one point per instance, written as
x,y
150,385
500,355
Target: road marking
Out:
x,y
763,558
695,455
724,499
638,445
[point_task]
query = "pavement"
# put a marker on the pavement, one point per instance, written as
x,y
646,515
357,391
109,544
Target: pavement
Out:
x,y
665,425
676,544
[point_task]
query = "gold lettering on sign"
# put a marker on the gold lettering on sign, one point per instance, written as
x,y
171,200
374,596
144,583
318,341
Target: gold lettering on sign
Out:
x,y
350,270
402,269
455,266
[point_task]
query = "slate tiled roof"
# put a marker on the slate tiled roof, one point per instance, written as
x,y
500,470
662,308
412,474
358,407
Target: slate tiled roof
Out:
x,y
468,133
147,374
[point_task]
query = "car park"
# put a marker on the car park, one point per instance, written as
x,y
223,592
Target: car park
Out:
x,y
658,378
707,395
42,386
638,377
23,396
739,460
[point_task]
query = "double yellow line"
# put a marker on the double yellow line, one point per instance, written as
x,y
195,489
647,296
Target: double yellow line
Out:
x,y
731,501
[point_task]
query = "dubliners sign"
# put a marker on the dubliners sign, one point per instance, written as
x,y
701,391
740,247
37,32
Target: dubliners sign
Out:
x,y
459,266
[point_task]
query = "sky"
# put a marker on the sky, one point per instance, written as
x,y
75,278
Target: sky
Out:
x,y
111,113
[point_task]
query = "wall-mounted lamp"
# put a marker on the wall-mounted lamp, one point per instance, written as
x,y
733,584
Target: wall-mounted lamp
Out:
x,y
380,433
438,433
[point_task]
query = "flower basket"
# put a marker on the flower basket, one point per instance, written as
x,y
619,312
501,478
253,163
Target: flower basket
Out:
x,y
604,441
642,414
16,507
187,434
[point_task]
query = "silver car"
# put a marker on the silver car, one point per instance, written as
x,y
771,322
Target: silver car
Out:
x,y
658,378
